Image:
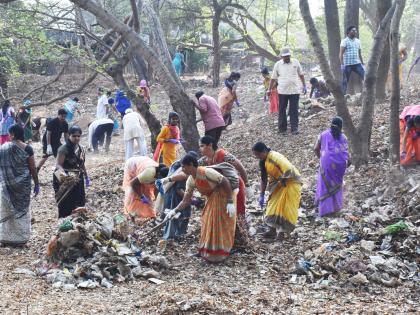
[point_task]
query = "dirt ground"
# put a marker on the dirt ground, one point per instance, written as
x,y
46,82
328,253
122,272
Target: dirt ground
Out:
x,y
257,281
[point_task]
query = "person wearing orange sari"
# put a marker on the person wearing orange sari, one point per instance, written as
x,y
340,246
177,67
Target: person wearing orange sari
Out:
x,y
140,173
218,219
213,155
227,97
410,141
168,139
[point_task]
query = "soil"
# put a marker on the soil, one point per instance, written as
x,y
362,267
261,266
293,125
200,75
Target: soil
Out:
x,y
257,281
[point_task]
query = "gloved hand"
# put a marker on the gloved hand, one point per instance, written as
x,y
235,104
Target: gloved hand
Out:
x,y
403,155
87,181
174,141
172,214
237,103
49,150
159,186
145,200
36,190
261,201
249,192
195,201
304,90
343,67
230,209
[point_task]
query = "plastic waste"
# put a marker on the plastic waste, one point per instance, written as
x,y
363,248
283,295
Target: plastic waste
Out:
x,y
395,228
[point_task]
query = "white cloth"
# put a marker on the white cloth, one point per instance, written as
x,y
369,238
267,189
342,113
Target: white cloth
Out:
x,y
287,76
129,147
132,126
101,108
95,125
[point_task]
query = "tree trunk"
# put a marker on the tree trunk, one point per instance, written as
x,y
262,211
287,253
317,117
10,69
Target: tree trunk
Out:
x,y
332,22
417,37
382,7
351,17
216,43
3,83
179,99
394,134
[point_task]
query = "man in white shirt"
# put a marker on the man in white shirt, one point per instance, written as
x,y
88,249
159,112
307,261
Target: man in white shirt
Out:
x,y
98,129
102,104
133,131
287,72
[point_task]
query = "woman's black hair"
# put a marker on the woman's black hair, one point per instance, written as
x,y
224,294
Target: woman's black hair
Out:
x,y
76,99
209,140
189,160
162,171
172,114
313,81
336,126
417,120
264,70
75,129
5,107
199,94
234,76
260,147
17,132
193,153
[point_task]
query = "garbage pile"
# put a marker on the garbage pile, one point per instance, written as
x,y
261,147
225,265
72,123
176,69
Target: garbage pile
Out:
x,y
89,251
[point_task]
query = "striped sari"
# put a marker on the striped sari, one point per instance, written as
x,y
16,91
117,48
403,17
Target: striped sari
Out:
x,y
217,228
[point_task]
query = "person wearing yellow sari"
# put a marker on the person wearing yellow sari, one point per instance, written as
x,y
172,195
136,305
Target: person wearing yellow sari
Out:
x,y
168,139
218,219
284,185
140,173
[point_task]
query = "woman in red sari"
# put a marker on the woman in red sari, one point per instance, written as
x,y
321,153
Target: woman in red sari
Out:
x,y
218,218
213,155
410,140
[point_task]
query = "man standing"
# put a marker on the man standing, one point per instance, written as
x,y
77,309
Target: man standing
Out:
x,y
210,115
286,73
51,140
98,129
351,57
101,111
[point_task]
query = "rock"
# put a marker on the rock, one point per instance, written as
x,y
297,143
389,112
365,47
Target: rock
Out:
x,y
367,245
359,279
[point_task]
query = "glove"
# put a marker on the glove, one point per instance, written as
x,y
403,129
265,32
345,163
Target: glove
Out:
x,y
49,150
249,192
304,90
174,141
159,186
230,209
403,155
145,200
182,141
172,214
343,67
237,103
87,181
195,202
261,201
36,190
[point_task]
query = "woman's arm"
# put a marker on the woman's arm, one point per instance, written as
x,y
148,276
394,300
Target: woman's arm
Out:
x,y
186,201
60,160
32,169
241,170
317,148
225,184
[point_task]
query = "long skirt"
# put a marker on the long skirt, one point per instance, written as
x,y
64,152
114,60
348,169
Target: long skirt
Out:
x,y
329,191
217,228
283,205
72,200
134,206
241,232
14,231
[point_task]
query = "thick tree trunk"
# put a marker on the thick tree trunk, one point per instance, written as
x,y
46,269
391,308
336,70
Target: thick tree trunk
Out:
x,y
382,8
351,17
332,22
394,134
3,83
216,43
179,99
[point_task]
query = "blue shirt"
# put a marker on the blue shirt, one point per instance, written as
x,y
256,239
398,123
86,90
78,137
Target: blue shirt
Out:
x,y
351,52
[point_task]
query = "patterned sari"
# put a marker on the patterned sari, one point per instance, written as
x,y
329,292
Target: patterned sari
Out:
x,y
217,228
15,191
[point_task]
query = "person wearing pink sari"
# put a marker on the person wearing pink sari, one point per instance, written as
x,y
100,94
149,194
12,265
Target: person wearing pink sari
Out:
x,y
331,148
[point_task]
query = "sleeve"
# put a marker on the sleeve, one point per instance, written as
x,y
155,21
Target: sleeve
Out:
x,y
213,175
275,73
190,185
229,158
147,176
299,68
343,43
163,135
202,104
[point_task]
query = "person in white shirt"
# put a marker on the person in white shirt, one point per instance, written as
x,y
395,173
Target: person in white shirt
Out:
x,y
98,129
133,131
101,109
287,72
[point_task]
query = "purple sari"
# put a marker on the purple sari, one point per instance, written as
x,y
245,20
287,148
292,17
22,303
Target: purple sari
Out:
x,y
334,156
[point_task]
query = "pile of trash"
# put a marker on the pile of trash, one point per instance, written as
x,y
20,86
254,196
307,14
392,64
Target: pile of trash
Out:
x,y
89,251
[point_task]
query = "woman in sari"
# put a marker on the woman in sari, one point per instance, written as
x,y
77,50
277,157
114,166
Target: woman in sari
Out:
x,y
17,165
331,148
213,155
70,176
284,185
24,118
140,173
218,218
7,119
410,140
227,97
178,62
168,139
